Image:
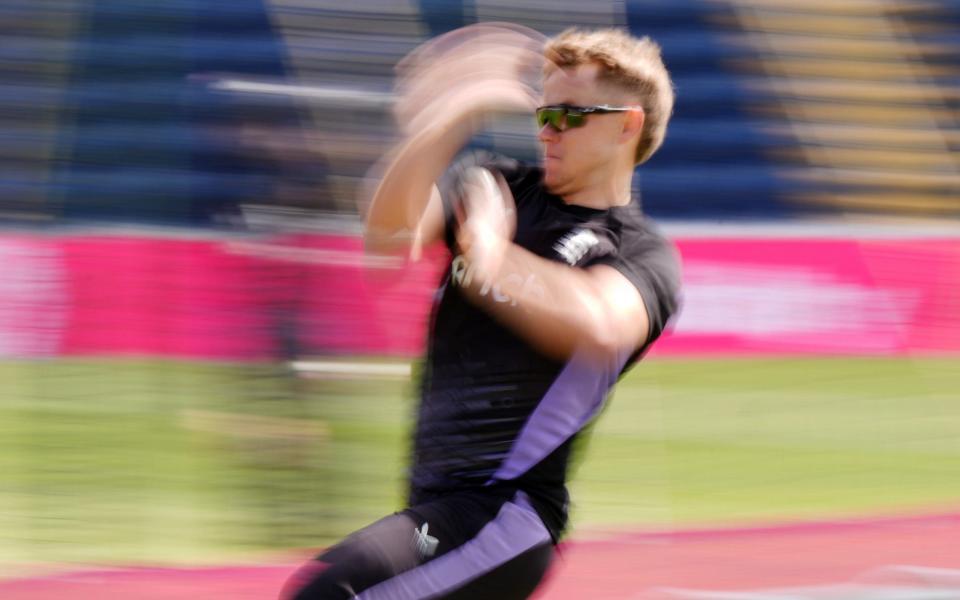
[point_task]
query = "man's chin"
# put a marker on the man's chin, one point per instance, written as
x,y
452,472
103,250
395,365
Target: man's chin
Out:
x,y
552,181
557,188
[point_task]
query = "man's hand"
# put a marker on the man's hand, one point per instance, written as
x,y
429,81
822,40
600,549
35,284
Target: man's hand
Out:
x,y
559,309
487,221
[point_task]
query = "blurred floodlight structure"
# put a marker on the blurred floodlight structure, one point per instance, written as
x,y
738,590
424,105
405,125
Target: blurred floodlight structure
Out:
x,y
199,365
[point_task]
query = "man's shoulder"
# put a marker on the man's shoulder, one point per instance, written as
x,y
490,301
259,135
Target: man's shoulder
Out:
x,y
651,262
642,243
638,229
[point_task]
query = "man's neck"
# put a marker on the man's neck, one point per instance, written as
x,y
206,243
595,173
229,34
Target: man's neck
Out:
x,y
604,194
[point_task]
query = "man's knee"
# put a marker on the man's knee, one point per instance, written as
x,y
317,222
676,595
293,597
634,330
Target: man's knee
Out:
x,y
309,581
369,556
350,574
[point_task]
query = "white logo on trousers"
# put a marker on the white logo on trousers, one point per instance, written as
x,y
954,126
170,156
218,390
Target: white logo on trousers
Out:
x,y
426,545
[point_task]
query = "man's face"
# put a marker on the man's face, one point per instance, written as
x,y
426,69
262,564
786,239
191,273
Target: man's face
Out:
x,y
577,157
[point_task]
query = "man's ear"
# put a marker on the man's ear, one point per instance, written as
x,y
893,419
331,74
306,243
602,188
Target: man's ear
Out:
x,y
633,124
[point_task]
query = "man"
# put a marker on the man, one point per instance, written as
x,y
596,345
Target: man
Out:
x,y
556,284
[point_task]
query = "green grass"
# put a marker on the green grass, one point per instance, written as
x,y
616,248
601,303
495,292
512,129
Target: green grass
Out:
x,y
134,461
741,441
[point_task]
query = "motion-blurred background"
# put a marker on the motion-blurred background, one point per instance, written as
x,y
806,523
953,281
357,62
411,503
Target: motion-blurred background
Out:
x,y
198,366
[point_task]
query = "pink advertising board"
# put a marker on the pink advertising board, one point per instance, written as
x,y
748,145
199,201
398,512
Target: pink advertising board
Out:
x,y
243,299
818,296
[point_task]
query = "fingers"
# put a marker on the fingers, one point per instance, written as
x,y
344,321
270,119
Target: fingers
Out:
x,y
487,221
509,207
488,203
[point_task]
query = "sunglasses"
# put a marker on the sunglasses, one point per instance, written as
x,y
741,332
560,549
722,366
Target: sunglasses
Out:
x,y
564,116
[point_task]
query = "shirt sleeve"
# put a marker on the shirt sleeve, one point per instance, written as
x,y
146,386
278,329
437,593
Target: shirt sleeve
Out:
x,y
652,265
450,183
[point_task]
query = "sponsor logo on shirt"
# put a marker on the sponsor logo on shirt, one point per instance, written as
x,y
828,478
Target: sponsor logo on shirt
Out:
x,y
573,246
462,274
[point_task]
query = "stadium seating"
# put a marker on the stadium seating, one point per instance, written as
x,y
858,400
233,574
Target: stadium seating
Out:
x,y
117,110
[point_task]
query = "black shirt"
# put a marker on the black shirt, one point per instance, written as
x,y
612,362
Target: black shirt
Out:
x,y
495,414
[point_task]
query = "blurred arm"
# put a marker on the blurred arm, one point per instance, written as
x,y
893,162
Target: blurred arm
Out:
x,y
556,308
445,90
406,214
560,309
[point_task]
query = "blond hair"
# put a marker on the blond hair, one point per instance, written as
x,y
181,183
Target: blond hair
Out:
x,y
631,64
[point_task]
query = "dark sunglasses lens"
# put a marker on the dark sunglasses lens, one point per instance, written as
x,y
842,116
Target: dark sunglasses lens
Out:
x,y
553,116
575,119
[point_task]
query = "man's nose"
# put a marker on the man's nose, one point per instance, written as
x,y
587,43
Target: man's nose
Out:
x,y
548,133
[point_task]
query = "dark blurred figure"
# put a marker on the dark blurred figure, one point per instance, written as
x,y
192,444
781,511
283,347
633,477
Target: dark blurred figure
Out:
x,y
556,284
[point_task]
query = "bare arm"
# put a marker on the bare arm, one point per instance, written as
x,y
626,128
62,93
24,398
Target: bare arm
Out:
x,y
447,88
557,308
405,213
560,309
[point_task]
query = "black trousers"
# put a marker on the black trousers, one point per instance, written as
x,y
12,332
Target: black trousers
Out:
x,y
462,547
